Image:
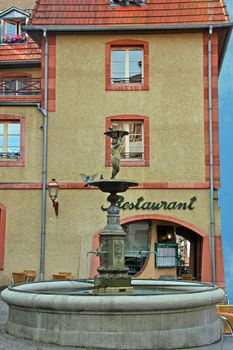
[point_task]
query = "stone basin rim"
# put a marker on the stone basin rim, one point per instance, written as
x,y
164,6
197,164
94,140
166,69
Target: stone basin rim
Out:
x,y
25,295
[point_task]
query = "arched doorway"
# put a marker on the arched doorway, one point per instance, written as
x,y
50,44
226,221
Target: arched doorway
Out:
x,y
199,264
174,249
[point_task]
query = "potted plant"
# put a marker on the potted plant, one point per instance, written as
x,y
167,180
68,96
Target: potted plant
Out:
x,y
13,38
128,2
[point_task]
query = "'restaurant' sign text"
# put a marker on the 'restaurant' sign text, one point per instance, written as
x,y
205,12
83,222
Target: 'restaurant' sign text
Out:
x,y
141,204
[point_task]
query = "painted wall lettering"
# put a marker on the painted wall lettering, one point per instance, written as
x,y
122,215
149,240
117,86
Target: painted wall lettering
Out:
x,y
140,203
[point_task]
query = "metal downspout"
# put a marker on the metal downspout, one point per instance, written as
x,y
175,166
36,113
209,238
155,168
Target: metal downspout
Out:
x,y
210,113
44,165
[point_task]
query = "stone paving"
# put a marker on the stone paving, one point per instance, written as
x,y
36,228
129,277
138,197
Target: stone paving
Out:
x,y
9,342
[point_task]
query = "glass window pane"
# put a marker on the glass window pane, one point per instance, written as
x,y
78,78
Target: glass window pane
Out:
x,y
14,129
118,55
1,141
1,128
136,245
135,55
118,76
13,141
118,67
134,68
11,28
10,87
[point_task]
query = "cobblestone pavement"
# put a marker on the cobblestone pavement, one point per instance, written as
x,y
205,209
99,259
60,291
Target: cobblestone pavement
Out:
x,y
9,342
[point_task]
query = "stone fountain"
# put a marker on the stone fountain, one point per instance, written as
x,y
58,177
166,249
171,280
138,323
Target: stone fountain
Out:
x,y
115,311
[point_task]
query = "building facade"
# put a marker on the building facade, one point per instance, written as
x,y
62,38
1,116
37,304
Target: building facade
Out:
x,y
150,70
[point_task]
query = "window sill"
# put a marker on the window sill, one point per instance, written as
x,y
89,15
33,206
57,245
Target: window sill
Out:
x,y
6,163
130,163
127,87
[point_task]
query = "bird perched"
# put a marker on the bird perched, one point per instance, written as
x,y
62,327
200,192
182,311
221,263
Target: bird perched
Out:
x,y
87,178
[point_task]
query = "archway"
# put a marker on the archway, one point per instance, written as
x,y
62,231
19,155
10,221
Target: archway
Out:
x,y
200,263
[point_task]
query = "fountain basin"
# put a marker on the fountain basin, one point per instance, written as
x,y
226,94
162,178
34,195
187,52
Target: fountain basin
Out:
x,y
158,315
113,185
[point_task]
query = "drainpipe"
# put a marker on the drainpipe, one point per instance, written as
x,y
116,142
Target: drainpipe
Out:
x,y
44,165
210,113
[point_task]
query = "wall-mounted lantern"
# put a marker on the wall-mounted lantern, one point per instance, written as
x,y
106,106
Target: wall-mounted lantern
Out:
x,y
53,189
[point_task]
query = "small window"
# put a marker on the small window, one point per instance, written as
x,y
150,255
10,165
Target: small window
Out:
x,y
127,65
12,131
134,149
9,140
12,20
13,33
133,144
11,28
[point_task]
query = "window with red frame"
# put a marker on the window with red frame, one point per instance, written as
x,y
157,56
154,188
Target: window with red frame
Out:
x,y
134,149
132,146
11,140
127,65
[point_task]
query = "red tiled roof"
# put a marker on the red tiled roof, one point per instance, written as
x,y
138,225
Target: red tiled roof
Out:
x,y
154,12
20,52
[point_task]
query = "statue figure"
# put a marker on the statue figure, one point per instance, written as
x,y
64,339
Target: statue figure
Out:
x,y
115,156
116,136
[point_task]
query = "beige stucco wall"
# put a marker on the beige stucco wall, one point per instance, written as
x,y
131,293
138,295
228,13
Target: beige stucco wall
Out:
x,y
174,105
69,236
35,72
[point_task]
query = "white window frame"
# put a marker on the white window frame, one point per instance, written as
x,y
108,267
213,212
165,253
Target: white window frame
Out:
x,y
126,79
125,126
5,135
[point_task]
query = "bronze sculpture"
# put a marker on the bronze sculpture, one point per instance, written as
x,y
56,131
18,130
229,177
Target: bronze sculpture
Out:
x,y
116,136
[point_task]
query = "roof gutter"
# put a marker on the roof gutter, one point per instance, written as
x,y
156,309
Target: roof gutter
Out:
x,y
44,165
211,161
64,28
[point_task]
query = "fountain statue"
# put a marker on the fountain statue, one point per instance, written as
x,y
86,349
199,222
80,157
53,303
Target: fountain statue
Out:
x,y
114,311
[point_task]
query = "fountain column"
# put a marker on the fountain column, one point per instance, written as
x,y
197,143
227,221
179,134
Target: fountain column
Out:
x,y
112,272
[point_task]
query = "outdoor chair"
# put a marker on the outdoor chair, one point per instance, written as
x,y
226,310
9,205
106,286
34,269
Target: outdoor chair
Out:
x,y
187,276
18,277
62,276
30,275
225,312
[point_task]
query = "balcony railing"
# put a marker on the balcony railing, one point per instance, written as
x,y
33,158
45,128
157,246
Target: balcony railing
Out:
x,y
137,79
9,155
20,86
132,155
